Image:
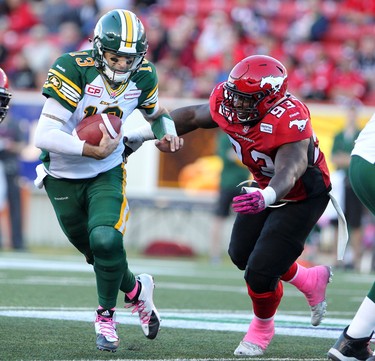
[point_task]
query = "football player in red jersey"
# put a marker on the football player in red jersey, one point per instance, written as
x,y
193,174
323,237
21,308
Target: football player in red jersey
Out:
x,y
272,134
5,95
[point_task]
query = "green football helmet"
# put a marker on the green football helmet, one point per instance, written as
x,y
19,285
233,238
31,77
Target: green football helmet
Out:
x,y
119,32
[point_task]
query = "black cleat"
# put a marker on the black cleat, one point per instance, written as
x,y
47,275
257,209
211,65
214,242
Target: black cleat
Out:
x,y
347,348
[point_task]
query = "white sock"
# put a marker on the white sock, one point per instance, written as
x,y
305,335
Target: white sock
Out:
x,y
363,323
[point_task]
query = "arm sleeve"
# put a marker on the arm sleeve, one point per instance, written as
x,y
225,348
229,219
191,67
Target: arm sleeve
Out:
x,y
48,133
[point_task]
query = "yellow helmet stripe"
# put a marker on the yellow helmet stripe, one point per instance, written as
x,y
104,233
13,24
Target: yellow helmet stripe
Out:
x,y
128,21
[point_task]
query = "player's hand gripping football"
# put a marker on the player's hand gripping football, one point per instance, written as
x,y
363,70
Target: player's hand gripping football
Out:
x,y
254,200
106,146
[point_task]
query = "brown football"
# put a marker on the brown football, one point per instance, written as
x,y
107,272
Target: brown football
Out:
x,y
88,129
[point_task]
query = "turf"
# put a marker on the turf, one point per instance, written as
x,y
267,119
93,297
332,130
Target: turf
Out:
x,y
42,283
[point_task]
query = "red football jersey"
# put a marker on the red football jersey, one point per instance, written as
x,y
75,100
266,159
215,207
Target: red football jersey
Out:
x,y
287,122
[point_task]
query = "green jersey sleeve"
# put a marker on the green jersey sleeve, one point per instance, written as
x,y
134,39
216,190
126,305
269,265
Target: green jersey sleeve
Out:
x,y
147,80
67,77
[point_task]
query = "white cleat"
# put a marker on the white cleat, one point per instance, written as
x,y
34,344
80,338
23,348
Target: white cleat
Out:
x,y
248,349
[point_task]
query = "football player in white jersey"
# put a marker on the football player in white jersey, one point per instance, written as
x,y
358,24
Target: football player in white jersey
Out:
x,y
86,183
353,343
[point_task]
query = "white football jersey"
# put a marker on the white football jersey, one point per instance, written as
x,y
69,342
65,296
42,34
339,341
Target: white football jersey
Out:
x,y
365,143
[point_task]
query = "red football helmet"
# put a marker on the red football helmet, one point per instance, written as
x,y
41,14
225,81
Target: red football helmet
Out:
x,y
254,85
5,95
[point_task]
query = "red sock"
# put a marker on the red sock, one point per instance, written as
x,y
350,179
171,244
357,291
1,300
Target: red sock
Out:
x,y
290,273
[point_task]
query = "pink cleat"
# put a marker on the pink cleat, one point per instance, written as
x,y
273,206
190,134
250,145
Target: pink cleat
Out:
x,y
315,291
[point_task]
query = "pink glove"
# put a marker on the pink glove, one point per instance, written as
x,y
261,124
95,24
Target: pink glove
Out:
x,y
254,202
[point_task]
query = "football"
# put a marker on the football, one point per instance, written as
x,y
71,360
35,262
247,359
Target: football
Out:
x,y
88,129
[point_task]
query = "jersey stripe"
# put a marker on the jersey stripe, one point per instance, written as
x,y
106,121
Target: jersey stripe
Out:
x,y
151,99
124,213
68,91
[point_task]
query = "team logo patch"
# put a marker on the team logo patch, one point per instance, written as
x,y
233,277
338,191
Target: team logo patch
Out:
x,y
245,129
93,90
55,81
132,94
299,123
266,128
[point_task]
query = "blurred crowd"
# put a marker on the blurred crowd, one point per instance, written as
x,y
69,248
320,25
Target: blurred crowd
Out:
x,y
327,45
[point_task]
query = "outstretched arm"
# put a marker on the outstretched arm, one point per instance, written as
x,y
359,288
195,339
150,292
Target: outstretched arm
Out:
x,y
187,119
192,117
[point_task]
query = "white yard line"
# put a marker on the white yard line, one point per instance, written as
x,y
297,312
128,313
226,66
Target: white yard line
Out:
x,y
216,321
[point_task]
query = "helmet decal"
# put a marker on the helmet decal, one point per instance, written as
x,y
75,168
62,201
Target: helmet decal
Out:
x,y
128,40
275,82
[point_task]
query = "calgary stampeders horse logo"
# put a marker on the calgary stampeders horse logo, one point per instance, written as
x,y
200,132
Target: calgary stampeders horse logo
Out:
x,y
275,82
299,123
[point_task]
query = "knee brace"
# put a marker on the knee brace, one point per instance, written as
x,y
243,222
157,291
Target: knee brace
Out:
x,y
260,283
106,242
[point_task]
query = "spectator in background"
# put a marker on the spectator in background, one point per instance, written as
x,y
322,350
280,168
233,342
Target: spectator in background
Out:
x,y
19,16
21,75
310,79
213,41
182,38
343,144
175,79
105,5
347,81
69,37
13,138
40,52
246,15
311,24
233,173
87,15
158,37
365,55
358,12
56,12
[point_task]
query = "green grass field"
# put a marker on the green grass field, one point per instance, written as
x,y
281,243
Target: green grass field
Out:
x,y
47,304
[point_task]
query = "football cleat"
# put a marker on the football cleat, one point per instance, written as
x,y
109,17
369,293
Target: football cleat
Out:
x,y
320,276
248,349
144,305
105,329
347,348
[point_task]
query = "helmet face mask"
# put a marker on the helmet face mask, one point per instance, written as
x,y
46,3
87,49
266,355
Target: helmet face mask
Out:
x,y
5,95
121,33
254,86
